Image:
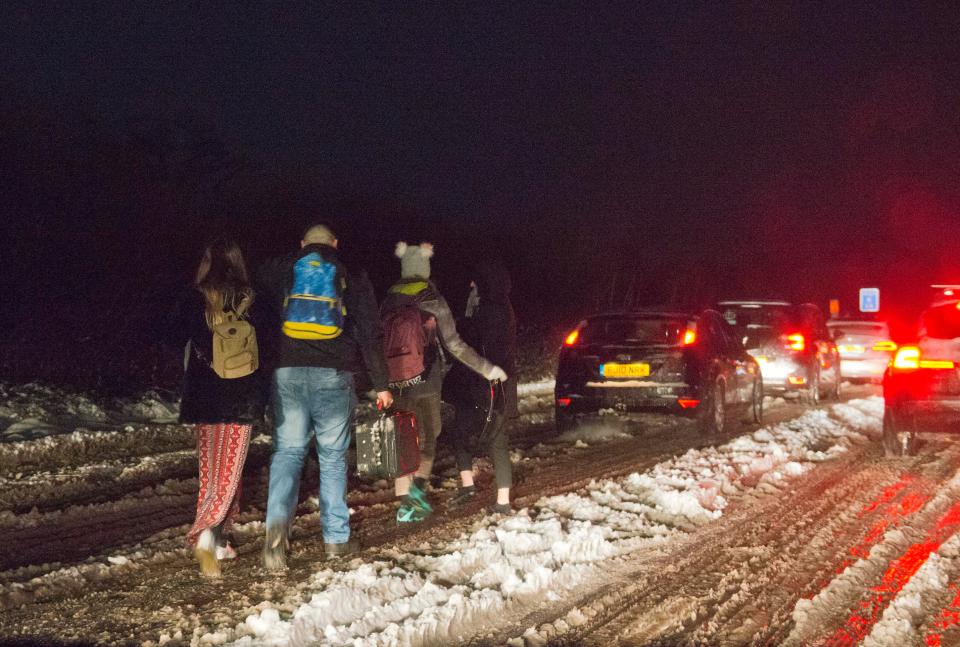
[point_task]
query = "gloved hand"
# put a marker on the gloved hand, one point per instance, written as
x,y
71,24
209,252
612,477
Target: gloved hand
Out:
x,y
497,374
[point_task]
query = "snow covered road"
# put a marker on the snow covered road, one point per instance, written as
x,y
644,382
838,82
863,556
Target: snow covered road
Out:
x,y
640,533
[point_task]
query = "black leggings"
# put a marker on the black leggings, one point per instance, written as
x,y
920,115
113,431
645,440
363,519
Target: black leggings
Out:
x,y
468,425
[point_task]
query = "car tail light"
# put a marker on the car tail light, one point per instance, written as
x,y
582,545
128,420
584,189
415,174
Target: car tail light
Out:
x,y
572,338
796,341
885,346
687,403
564,402
908,359
797,380
689,336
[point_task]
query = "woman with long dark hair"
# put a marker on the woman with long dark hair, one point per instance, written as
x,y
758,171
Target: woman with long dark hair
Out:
x,y
223,391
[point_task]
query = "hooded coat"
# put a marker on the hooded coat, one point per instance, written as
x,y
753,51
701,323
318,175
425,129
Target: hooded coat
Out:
x,y
492,330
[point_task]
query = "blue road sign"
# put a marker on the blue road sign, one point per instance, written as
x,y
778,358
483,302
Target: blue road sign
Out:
x,y
869,299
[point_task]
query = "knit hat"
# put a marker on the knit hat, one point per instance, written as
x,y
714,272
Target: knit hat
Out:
x,y
414,260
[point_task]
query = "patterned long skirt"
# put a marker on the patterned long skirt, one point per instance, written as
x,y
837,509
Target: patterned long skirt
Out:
x,y
222,451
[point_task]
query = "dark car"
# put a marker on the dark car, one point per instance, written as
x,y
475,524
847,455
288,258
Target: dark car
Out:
x,y
792,344
665,362
921,387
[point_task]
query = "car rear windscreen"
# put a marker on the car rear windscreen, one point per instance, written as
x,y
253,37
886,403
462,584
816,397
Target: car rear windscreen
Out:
x,y
772,316
758,336
633,330
942,322
867,329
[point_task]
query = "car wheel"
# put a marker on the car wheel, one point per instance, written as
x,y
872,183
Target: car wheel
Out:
x,y
811,396
713,416
899,435
564,421
755,410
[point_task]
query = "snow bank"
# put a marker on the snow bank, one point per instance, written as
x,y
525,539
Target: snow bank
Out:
x,y
450,591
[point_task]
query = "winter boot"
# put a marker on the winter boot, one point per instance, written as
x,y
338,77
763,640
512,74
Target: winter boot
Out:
x,y
275,548
333,551
414,506
464,495
500,508
206,553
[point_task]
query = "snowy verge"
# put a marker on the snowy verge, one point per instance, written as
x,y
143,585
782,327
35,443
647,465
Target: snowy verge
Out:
x,y
452,590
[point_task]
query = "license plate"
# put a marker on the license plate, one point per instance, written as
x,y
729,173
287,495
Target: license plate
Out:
x,y
853,349
625,370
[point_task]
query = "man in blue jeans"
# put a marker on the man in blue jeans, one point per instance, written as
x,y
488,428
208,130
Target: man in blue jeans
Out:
x,y
331,329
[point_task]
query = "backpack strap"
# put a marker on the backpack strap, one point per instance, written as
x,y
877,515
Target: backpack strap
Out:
x,y
241,310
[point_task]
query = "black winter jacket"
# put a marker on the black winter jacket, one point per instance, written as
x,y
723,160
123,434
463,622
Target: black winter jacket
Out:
x,y
208,398
358,348
492,330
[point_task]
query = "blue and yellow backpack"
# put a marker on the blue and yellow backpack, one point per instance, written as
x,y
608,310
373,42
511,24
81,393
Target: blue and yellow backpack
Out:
x,y
314,307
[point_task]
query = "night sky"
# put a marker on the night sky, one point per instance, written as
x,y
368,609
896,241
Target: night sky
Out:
x,y
664,154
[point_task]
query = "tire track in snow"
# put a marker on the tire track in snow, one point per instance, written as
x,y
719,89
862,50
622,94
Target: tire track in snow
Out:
x,y
851,610
478,591
796,540
920,600
716,577
170,579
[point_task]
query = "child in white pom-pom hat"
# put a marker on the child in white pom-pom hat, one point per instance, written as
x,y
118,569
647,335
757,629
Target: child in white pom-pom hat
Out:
x,y
416,385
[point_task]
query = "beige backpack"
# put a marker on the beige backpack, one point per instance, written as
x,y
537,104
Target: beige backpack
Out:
x,y
235,351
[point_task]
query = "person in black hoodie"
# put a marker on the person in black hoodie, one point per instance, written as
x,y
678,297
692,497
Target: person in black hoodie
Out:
x,y
313,386
224,410
490,326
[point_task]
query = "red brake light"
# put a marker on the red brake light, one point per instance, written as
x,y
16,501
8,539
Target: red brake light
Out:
x,y
796,341
572,338
907,358
885,346
689,337
564,402
686,403
936,363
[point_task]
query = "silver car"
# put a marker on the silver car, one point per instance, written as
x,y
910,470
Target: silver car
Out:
x,y
865,349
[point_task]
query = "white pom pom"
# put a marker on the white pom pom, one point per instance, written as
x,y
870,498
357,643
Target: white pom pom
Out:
x,y
426,249
401,249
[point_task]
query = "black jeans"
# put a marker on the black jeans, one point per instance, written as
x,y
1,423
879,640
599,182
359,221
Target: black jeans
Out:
x,y
466,430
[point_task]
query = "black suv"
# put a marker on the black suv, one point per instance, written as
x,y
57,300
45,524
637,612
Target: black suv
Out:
x,y
688,365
